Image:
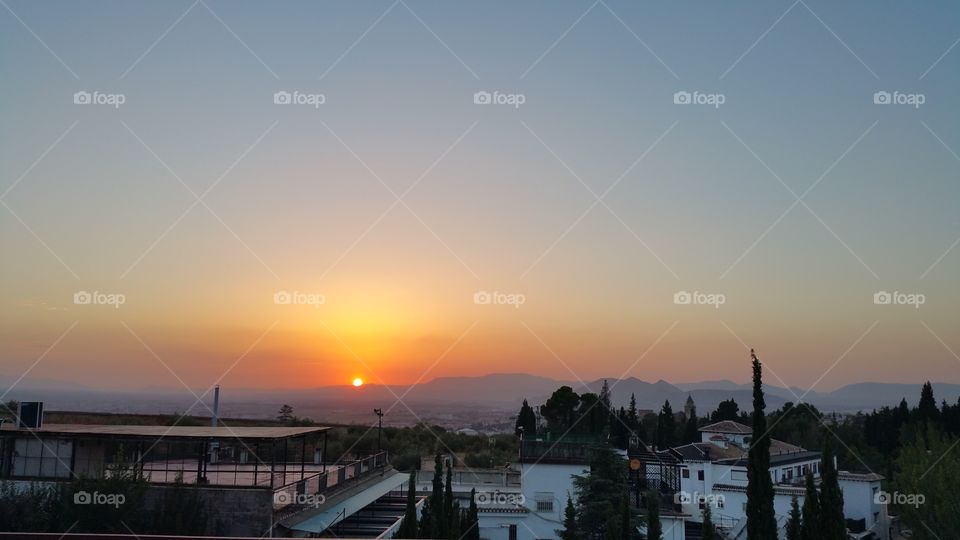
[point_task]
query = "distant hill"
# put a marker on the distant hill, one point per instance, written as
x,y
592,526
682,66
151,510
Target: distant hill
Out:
x,y
493,392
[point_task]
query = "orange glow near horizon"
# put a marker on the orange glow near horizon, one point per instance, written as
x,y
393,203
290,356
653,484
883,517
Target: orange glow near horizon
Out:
x,y
358,382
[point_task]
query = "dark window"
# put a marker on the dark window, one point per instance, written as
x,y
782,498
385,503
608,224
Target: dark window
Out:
x,y
513,532
686,473
699,475
544,506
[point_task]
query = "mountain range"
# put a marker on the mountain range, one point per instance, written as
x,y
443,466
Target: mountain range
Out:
x,y
499,391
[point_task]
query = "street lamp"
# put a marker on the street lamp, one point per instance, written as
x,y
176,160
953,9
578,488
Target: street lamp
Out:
x,y
379,413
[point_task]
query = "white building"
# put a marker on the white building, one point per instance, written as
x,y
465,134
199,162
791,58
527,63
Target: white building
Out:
x,y
714,471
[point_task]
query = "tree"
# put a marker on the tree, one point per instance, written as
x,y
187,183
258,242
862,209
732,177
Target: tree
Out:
x,y
560,410
526,421
794,523
408,527
666,426
810,525
761,519
599,494
707,530
569,530
927,408
654,528
431,517
929,475
450,513
285,414
833,524
471,523
726,410
124,481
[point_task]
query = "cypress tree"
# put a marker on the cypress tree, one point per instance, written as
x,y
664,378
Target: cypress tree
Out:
x,y
794,524
569,531
446,515
810,526
831,498
707,530
432,516
408,527
471,525
526,421
654,529
761,520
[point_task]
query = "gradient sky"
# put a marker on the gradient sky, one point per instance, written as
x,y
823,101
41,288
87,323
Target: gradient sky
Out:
x,y
304,203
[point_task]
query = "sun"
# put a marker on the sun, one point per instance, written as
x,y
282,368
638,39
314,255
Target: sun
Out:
x,y
358,382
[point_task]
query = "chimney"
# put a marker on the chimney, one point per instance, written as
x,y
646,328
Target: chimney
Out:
x,y
216,406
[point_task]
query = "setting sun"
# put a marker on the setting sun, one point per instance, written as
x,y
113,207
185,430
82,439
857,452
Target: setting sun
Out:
x,y
358,382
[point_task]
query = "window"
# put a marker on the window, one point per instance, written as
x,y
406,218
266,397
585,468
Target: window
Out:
x,y
685,473
719,501
544,506
544,500
513,532
699,475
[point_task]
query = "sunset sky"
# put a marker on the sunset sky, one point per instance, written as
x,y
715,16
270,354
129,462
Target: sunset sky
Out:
x,y
492,197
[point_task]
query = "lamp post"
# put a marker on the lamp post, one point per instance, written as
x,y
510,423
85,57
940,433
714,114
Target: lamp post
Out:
x,y
379,413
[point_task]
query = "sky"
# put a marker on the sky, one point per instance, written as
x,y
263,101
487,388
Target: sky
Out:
x,y
188,226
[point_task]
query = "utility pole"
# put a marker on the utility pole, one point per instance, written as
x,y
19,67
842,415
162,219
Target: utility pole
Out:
x,y
379,413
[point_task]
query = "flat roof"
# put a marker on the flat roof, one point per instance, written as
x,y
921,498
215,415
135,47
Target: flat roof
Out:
x,y
166,432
